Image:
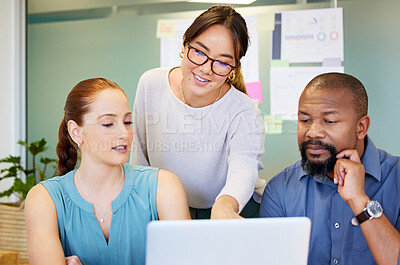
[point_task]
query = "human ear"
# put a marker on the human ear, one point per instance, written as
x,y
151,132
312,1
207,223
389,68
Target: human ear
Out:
x,y
363,126
74,132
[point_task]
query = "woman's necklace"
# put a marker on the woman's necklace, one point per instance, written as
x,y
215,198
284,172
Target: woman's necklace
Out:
x,y
187,110
101,218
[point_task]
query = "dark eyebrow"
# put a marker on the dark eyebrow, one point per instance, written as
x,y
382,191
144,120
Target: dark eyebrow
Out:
x,y
202,45
331,112
207,49
304,113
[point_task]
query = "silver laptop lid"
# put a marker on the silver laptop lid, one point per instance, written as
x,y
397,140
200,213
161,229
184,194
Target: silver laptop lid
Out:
x,y
261,241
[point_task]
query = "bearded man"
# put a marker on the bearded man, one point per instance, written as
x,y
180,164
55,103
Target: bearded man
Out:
x,y
347,187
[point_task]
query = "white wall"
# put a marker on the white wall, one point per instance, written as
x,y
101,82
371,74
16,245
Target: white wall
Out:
x,y
12,80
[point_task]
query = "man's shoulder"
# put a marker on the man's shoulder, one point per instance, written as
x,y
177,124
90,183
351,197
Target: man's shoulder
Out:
x,y
389,167
291,173
387,158
379,162
373,153
282,190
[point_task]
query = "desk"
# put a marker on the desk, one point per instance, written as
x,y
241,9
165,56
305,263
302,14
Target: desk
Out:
x,y
8,257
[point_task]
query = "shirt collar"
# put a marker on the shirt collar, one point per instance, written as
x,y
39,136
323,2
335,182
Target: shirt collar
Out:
x,y
74,194
302,172
370,161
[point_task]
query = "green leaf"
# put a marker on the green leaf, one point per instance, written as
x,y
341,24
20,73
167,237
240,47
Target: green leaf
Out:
x,y
28,171
30,182
42,175
11,159
23,188
23,143
35,147
6,193
19,187
11,171
46,160
6,177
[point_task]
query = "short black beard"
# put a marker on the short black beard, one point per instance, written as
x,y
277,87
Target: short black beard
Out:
x,y
321,168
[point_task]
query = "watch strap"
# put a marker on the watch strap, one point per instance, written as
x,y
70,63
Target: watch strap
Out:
x,y
363,216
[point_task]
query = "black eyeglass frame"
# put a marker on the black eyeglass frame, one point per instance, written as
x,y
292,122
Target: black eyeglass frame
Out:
x,y
209,59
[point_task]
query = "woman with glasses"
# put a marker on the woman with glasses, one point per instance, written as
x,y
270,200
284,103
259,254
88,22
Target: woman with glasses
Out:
x,y
197,121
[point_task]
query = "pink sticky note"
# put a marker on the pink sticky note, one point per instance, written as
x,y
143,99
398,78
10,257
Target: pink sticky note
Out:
x,y
254,90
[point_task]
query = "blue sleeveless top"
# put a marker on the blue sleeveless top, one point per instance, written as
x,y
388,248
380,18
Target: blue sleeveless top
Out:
x,y
132,210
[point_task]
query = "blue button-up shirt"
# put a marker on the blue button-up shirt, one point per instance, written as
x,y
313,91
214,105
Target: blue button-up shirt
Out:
x,y
334,240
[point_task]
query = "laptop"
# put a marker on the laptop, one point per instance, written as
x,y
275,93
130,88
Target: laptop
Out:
x,y
259,241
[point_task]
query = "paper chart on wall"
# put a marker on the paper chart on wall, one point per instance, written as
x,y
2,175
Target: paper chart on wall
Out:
x,y
250,64
312,35
287,83
170,48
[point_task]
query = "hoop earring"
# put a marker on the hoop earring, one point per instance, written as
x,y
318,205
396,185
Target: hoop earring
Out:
x,y
231,77
181,54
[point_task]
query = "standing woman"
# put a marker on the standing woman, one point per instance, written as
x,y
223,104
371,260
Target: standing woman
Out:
x,y
97,214
197,121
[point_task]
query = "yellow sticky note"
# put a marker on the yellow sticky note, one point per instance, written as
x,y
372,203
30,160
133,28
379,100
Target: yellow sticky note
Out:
x,y
165,28
273,124
266,22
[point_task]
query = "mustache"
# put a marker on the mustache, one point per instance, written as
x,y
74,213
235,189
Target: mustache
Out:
x,y
318,168
316,142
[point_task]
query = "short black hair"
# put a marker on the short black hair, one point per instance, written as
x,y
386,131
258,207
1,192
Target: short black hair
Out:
x,y
336,81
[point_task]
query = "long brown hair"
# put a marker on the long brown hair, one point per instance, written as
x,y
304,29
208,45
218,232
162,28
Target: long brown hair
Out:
x,y
76,106
233,21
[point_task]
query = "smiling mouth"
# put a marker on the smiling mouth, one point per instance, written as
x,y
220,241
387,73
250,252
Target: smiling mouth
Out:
x,y
120,148
200,79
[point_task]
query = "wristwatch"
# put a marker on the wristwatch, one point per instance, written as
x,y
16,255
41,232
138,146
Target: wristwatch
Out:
x,y
372,210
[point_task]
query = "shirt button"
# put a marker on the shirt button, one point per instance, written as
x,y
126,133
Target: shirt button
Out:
x,y
337,225
335,261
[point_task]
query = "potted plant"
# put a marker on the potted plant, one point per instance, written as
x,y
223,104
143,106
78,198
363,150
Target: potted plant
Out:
x,y
12,220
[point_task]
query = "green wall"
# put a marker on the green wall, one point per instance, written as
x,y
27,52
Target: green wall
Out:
x,y
372,53
60,54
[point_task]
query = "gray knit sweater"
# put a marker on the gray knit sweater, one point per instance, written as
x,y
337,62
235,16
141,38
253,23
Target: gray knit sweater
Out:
x,y
218,155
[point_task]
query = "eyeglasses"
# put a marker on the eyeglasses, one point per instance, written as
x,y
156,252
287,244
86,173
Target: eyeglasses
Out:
x,y
217,67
